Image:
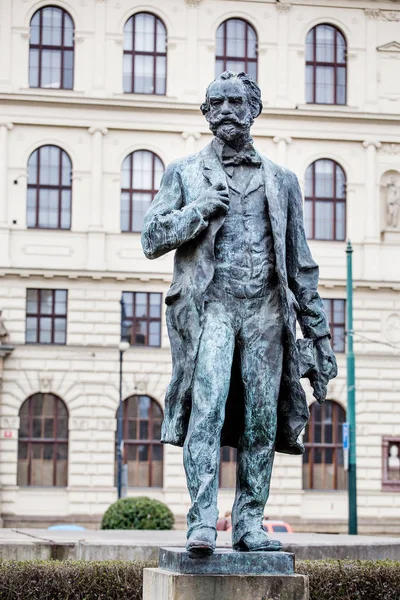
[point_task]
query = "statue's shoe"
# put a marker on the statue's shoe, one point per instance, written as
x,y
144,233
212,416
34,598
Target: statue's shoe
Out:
x,y
201,542
257,542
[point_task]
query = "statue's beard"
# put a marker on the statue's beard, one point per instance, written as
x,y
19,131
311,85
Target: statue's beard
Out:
x,y
231,131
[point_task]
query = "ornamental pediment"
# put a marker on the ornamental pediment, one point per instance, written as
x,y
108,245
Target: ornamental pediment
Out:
x,y
390,47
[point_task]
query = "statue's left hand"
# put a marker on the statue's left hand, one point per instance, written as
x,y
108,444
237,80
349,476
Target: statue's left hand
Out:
x,y
325,368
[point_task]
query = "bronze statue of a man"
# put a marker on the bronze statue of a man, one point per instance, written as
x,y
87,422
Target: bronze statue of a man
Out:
x,y
243,275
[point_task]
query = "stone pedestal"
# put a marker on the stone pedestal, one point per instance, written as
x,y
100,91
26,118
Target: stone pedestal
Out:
x,y
226,575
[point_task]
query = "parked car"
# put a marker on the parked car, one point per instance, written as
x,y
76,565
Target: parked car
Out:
x,y
277,526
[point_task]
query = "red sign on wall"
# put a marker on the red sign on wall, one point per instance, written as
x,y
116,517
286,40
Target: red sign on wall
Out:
x,y
8,434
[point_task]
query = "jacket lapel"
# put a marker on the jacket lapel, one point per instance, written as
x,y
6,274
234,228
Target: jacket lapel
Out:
x,y
214,173
277,205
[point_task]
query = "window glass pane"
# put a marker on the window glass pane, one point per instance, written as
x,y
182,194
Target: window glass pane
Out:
x,y
31,208
156,430
144,407
323,220
310,46
48,208
51,26
46,302
49,173
341,48
141,203
32,168
127,304
35,28
142,170
235,43
126,173
60,304
140,338
31,330
32,301
324,178
128,37
161,74
144,430
252,70
154,333
251,43
338,339
219,68
325,92
155,305
33,68
141,304
66,209
309,182
23,464
144,74
338,311
68,30
60,331
144,32
51,69
309,84
161,40
48,428
340,183
328,309
340,221
308,220
325,35
341,85
220,40
68,69
237,66
125,212
127,76
158,172
45,330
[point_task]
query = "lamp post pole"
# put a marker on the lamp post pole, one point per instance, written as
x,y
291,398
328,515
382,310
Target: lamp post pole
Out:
x,y
351,397
123,345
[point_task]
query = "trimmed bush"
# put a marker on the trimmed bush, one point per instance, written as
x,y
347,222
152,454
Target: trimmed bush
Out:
x,y
138,513
72,580
352,579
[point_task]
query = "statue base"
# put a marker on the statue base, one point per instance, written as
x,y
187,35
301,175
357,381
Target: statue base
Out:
x,y
225,575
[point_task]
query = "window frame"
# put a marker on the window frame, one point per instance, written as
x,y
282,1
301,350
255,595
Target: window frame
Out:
x,y
51,316
335,446
315,64
40,47
149,442
31,441
60,187
333,323
334,200
389,485
132,190
154,54
133,320
225,57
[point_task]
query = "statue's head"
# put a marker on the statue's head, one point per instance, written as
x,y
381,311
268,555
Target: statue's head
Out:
x,y
232,103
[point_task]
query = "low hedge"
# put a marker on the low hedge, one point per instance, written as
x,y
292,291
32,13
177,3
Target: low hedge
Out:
x,y
352,579
120,580
140,512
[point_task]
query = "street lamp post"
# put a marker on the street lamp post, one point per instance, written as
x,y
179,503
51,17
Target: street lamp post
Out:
x,y
123,346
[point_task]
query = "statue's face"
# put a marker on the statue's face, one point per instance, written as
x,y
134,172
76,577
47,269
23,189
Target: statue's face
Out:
x,y
229,116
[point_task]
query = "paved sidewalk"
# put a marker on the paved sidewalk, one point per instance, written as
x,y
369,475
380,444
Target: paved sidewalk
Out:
x,y
26,544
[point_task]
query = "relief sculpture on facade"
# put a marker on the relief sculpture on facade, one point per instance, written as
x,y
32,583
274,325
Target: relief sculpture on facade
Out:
x,y
390,190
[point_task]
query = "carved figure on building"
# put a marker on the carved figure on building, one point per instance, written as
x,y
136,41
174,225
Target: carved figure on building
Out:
x,y
243,276
392,201
4,336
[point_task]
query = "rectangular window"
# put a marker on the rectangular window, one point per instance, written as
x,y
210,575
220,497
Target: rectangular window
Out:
x,y
335,311
391,464
141,318
46,316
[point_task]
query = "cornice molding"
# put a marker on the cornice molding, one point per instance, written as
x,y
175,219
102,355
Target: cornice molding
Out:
x,y
377,14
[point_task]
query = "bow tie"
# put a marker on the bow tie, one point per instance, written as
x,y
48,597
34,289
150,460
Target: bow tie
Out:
x,y
231,158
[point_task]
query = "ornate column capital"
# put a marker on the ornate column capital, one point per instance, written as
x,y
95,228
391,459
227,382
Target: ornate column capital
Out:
x,y
8,126
283,8
187,134
193,3
102,130
375,143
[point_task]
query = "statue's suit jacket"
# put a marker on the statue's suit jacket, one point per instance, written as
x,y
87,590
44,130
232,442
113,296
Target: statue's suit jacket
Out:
x,y
174,221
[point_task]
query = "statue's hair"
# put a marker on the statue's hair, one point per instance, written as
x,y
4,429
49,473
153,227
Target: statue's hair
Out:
x,y
252,90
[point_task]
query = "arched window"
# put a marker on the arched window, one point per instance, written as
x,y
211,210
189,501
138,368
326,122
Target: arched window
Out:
x,y
143,451
326,57
325,201
51,49
43,442
236,48
145,55
323,458
141,176
227,470
49,189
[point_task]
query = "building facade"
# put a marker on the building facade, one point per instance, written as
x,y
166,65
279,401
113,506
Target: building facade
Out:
x,y
96,98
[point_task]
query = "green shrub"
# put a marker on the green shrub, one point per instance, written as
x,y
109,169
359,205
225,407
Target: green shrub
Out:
x,y
71,580
352,579
137,513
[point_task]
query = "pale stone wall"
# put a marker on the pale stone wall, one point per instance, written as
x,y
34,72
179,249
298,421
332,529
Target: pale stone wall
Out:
x,y
98,126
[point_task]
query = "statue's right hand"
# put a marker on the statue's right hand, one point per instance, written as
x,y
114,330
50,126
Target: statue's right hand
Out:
x,y
216,199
